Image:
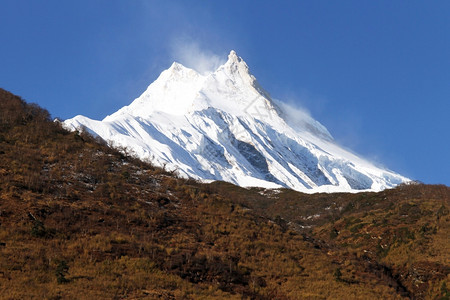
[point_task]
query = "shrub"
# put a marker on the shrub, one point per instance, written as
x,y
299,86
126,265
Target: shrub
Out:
x,y
38,229
62,269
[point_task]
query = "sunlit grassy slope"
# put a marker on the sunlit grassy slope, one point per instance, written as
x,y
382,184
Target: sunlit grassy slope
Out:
x,y
79,220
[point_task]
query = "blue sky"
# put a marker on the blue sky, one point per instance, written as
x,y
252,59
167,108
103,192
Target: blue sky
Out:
x,y
375,73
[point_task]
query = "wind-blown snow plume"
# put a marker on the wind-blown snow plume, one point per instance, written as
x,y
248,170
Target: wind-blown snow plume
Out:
x,y
189,53
299,117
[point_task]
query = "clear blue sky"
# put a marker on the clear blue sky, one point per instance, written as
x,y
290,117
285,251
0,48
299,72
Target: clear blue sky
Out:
x,y
375,73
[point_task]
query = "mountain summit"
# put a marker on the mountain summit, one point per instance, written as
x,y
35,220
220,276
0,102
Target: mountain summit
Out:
x,y
225,126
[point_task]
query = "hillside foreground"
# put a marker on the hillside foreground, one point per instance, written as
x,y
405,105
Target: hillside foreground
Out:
x,y
80,220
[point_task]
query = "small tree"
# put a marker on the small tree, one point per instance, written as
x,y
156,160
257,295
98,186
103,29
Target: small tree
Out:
x,y
62,269
38,229
338,274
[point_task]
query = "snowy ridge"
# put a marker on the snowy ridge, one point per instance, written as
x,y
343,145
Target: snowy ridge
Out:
x,y
224,126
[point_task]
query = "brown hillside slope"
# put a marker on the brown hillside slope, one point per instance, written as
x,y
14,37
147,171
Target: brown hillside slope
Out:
x,y
399,235
79,220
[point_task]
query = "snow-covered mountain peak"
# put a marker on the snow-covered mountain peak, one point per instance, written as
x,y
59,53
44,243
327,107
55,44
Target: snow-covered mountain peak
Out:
x,y
176,72
233,89
173,92
225,126
237,70
177,68
235,64
232,56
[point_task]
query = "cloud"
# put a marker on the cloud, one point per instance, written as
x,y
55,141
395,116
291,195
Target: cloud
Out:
x,y
189,53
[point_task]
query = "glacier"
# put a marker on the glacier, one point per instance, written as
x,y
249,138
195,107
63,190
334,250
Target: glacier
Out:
x,y
225,126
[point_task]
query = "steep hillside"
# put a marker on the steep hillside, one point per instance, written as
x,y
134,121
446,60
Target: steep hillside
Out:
x,y
79,220
402,234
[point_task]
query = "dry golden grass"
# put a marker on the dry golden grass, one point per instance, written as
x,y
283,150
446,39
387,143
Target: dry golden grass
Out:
x,y
79,220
